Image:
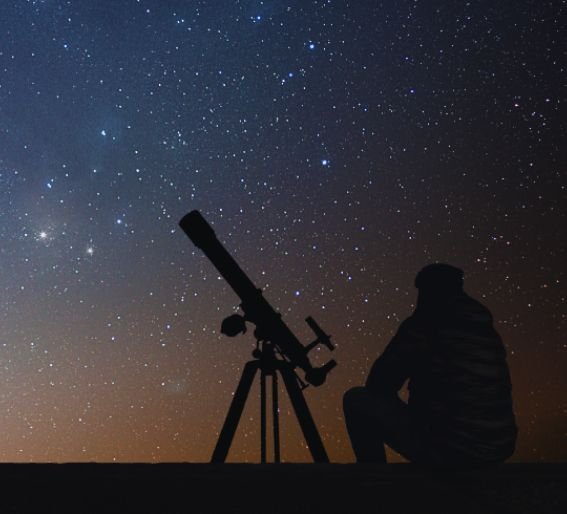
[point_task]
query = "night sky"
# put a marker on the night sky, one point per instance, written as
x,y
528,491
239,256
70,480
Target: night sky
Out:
x,y
335,147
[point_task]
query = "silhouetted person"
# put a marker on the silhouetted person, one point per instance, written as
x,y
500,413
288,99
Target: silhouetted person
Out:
x,y
459,410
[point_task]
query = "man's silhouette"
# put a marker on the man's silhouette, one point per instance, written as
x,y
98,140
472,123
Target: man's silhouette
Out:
x,y
459,410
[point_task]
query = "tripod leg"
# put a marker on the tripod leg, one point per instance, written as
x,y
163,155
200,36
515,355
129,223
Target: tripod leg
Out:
x,y
262,417
276,417
234,412
304,417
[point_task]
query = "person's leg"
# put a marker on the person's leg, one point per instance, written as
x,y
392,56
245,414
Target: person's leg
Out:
x,y
364,437
373,420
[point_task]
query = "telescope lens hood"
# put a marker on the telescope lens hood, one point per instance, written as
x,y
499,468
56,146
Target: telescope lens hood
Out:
x,y
198,230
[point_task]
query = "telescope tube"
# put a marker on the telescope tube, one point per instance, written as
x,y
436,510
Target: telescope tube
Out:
x,y
256,308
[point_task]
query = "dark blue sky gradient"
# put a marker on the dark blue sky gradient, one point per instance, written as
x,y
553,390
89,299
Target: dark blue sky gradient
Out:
x,y
336,148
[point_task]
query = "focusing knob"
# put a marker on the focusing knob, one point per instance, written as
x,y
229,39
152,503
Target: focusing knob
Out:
x,y
233,325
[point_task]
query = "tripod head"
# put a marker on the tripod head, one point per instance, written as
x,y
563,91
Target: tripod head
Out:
x,y
257,310
236,324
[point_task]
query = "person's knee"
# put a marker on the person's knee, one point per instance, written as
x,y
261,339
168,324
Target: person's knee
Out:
x,y
352,398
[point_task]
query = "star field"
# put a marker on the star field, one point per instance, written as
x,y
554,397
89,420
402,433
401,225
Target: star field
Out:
x,y
336,148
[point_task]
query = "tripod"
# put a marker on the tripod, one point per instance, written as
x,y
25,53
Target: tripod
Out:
x,y
269,365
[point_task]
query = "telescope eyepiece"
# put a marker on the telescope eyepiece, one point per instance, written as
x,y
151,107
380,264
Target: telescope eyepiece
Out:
x,y
317,376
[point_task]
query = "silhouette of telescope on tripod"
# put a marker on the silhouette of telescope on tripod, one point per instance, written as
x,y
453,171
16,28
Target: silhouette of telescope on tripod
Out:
x,y
278,350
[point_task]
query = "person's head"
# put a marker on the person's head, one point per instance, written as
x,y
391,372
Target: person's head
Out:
x,y
439,281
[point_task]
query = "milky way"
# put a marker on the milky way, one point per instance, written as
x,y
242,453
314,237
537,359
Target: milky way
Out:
x,y
335,147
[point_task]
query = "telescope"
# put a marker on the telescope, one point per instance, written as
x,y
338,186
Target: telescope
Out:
x,y
278,349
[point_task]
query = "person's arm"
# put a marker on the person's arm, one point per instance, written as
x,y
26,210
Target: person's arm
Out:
x,y
390,371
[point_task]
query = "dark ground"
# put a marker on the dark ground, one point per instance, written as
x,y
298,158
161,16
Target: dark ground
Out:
x,y
280,488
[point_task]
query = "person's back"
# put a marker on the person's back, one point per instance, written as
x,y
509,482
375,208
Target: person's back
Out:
x,y
461,384
459,410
